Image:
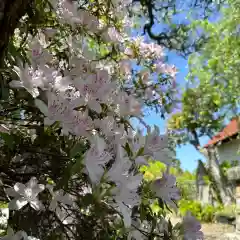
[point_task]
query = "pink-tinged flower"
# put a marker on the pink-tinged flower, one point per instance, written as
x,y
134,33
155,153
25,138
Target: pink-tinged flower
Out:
x,y
69,11
150,50
49,33
150,93
36,49
166,69
112,35
126,196
129,52
155,141
156,145
140,161
165,188
127,105
25,194
88,20
125,67
28,80
144,74
95,159
58,197
78,123
192,228
126,213
111,129
58,109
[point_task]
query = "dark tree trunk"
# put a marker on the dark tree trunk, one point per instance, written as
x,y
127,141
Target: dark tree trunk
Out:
x,y
11,13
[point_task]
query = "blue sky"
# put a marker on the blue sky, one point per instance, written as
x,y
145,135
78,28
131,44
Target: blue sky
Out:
x,y
186,154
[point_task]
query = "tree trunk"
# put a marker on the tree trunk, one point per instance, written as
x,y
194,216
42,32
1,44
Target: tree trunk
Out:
x,y
218,178
11,12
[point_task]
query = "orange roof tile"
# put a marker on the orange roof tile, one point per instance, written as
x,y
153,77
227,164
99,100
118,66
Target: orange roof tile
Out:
x,y
231,129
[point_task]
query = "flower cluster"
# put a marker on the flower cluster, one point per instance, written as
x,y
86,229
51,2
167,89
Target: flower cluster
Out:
x,y
93,97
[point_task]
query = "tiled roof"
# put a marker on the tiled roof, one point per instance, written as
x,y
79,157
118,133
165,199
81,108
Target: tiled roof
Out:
x,y
231,129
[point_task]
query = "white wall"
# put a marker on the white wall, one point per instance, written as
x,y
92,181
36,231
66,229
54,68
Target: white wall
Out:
x,y
229,151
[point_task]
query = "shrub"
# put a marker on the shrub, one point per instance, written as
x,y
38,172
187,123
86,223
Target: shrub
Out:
x,y
208,213
204,213
193,206
227,211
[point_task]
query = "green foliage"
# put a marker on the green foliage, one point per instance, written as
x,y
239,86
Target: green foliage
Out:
x,y
188,205
225,165
208,213
154,170
205,213
227,211
217,67
187,185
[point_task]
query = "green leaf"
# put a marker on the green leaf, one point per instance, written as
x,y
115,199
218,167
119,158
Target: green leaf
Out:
x,y
128,150
8,139
77,148
5,93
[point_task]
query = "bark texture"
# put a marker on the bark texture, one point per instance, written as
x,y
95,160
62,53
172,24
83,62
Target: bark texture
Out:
x,y
11,13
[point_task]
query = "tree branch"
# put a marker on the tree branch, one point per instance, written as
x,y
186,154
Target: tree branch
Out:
x,y
13,11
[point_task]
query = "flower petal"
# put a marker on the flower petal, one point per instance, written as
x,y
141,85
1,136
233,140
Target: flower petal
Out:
x,y
11,192
36,204
32,182
95,106
16,84
141,161
19,188
17,204
53,205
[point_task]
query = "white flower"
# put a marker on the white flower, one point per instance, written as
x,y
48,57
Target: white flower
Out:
x,y
125,67
58,197
127,105
166,189
4,128
141,161
4,215
192,228
156,145
49,32
29,81
95,158
20,235
25,194
126,213
135,234
154,141
119,170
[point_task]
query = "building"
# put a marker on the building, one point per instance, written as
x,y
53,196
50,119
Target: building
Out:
x,y
227,142
227,147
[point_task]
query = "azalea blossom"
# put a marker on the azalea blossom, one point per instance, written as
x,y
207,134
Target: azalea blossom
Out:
x,y
166,189
58,197
20,235
92,98
28,80
95,158
127,105
156,145
136,235
24,194
192,228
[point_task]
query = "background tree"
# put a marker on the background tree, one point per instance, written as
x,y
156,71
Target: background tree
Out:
x,y
214,72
